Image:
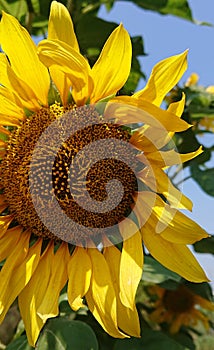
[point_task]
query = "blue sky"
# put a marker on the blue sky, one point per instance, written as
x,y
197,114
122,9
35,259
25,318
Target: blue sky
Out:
x,y
165,36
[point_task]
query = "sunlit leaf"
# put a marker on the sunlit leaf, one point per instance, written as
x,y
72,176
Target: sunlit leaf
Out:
x,y
202,289
204,178
92,32
178,8
20,343
205,245
154,272
65,334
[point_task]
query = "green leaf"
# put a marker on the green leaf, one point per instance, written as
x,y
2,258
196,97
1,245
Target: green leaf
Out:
x,y
151,340
206,245
20,343
178,8
133,80
137,46
17,8
186,142
154,272
185,339
92,32
204,178
64,334
3,137
202,289
199,102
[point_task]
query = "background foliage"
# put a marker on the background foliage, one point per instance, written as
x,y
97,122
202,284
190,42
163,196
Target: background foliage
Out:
x,y
80,331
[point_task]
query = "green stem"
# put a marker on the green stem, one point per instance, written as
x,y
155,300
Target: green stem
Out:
x,y
177,171
30,16
180,182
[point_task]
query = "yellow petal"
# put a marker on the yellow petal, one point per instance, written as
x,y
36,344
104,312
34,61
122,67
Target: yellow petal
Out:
x,y
144,202
165,75
21,94
4,224
66,59
171,224
101,298
2,144
149,139
17,271
131,264
9,241
210,89
33,294
8,121
128,319
177,107
204,303
4,131
176,257
79,275
159,182
49,306
192,80
129,110
62,83
9,109
60,25
179,228
177,323
112,68
164,159
25,62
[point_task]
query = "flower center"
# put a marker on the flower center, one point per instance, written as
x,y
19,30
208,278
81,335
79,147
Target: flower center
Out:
x,y
77,183
178,301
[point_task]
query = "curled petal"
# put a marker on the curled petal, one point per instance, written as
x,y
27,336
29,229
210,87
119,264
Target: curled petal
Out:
x,y
57,54
165,75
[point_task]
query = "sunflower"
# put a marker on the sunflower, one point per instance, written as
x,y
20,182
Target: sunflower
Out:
x,y
179,307
53,233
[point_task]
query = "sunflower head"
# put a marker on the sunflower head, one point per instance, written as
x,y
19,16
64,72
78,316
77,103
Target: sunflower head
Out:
x,y
179,307
83,172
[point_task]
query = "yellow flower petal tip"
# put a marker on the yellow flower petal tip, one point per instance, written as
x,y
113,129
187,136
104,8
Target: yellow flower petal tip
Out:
x,y
165,75
192,80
